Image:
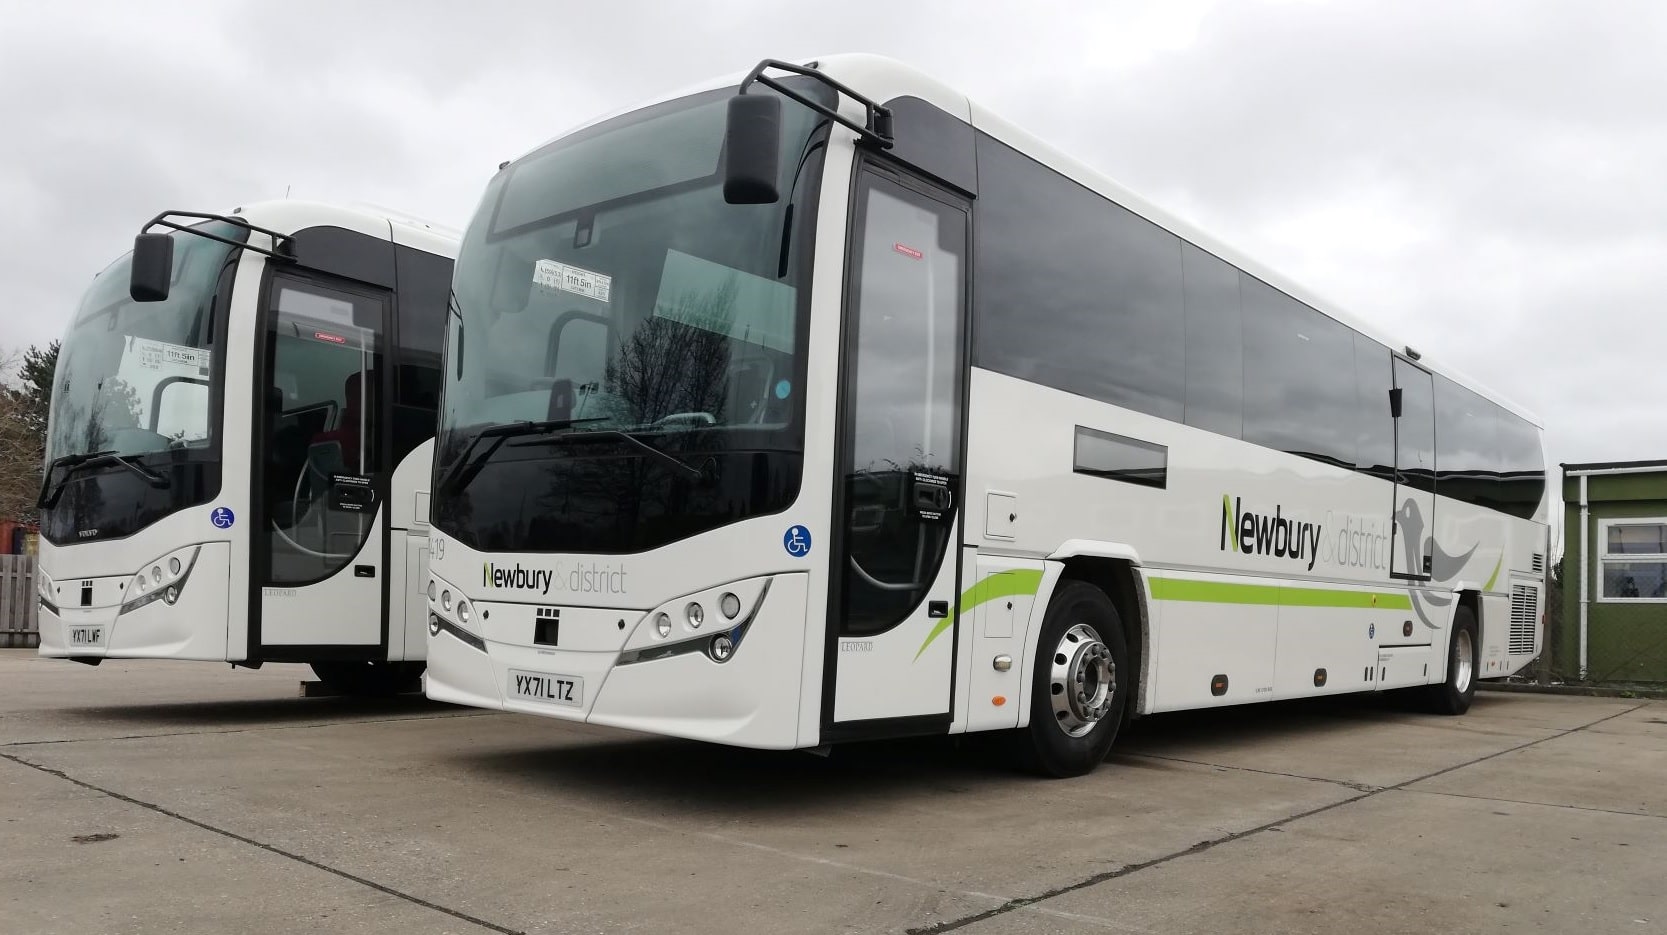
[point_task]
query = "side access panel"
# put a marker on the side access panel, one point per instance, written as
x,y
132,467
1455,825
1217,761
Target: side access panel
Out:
x,y
1412,641
410,602
999,608
1328,643
1208,626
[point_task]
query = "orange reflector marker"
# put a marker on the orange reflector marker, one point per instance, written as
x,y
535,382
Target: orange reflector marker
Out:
x,y
999,700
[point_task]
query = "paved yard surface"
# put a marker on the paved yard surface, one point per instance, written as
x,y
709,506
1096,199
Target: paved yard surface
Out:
x,y
187,797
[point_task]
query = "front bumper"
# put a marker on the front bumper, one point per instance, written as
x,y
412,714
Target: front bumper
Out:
x,y
192,627
751,699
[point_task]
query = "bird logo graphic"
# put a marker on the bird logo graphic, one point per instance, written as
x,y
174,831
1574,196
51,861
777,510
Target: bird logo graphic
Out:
x,y
1417,543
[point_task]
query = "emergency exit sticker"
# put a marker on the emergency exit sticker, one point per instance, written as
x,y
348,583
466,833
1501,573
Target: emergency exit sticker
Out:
x,y
907,251
591,285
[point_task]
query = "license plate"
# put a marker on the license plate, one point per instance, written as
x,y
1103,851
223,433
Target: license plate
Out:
x,y
86,636
550,689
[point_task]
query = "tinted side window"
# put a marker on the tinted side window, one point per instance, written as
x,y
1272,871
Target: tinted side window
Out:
x,y
1467,456
1116,457
420,309
1375,429
1522,465
1073,291
1214,343
1299,377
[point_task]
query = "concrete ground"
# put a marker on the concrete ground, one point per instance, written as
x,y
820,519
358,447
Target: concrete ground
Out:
x,y
186,797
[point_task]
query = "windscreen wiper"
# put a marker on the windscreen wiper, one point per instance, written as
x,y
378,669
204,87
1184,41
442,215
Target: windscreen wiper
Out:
x,y
693,472
464,469
72,465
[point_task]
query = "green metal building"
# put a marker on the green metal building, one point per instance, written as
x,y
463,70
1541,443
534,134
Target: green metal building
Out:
x,y
1614,621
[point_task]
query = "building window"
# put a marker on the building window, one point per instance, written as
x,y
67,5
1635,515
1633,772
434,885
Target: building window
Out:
x,y
1633,560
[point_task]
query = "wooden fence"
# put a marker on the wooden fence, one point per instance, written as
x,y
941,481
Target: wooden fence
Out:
x,y
19,606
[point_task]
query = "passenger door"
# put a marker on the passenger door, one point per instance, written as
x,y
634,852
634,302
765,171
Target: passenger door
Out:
x,y
1412,552
320,444
892,624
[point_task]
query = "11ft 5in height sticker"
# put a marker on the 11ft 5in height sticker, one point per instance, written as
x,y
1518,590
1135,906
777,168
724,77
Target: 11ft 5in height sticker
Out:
x,y
553,275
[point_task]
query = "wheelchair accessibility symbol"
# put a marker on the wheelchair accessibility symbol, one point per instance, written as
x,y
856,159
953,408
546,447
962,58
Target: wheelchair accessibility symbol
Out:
x,y
222,518
796,541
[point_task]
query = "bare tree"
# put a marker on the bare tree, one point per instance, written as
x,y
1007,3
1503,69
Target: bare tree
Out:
x,y
677,364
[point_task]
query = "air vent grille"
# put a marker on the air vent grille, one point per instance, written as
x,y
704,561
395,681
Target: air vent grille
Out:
x,y
1539,562
1525,615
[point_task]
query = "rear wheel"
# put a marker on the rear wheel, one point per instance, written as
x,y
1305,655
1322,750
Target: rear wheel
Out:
x,y
1454,695
1080,684
368,677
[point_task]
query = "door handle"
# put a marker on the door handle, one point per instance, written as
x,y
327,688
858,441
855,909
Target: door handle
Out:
x,y
934,498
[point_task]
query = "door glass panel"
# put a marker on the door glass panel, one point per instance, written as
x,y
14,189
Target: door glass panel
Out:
x,y
1415,477
901,466
322,424
1415,433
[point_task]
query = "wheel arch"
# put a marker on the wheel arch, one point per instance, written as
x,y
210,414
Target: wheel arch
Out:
x,y
1114,569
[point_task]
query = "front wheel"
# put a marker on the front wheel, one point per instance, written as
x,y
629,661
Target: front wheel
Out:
x,y
367,677
1454,695
1080,685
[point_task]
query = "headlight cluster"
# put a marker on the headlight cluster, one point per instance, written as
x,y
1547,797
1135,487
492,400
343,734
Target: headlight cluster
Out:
x,y
676,631
453,615
694,615
161,580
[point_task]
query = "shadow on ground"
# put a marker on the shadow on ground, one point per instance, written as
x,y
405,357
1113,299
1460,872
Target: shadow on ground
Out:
x,y
736,782
249,712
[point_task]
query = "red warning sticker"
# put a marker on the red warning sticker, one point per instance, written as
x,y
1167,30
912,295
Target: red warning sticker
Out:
x,y
907,251
332,338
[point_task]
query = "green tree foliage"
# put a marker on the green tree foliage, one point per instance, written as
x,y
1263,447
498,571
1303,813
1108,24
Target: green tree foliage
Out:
x,y
34,374
25,400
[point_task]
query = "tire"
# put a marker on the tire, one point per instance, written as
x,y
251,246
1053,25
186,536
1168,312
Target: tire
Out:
x,y
1082,635
368,678
1454,694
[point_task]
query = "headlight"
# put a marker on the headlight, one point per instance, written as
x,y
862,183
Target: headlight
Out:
x,y
695,615
463,612
156,574
662,624
445,601
730,605
433,589
721,648
173,566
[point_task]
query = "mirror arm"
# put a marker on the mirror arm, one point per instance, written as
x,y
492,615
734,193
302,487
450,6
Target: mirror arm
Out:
x,y
878,126
283,244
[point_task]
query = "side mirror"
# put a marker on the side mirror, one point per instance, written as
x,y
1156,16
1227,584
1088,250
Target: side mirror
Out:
x,y
752,149
153,268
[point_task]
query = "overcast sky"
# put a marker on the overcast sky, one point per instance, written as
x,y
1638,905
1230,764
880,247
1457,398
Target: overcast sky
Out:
x,y
1486,181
